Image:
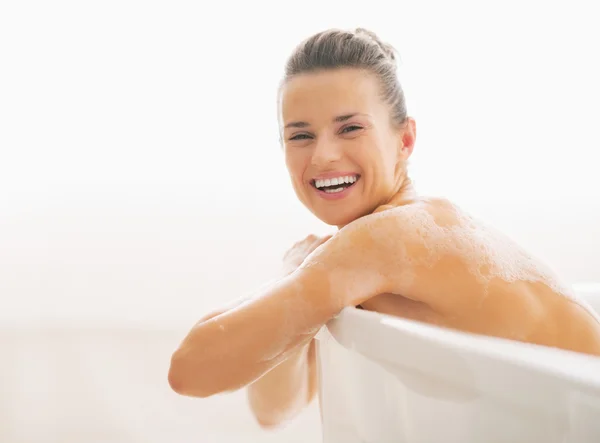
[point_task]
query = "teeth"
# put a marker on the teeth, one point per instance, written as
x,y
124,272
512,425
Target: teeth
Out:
x,y
336,181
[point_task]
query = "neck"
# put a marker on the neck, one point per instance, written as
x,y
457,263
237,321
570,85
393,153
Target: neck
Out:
x,y
405,193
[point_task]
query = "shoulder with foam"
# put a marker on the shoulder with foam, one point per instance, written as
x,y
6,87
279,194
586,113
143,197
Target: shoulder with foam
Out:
x,y
392,231
385,225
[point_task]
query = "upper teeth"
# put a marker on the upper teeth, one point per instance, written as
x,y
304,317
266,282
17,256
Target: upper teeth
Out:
x,y
336,181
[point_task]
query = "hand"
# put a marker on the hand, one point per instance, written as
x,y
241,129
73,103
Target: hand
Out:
x,y
296,255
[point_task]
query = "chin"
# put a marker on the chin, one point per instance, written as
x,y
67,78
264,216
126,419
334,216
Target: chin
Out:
x,y
335,211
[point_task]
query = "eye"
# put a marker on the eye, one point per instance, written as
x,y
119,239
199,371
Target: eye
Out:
x,y
350,128
300,137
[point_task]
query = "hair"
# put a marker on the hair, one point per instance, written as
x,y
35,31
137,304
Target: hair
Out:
x,y
360,49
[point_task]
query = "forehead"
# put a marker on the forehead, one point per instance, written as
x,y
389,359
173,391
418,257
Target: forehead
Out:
x,y
328,93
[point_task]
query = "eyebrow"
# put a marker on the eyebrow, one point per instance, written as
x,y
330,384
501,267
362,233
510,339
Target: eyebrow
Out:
x,y
338,119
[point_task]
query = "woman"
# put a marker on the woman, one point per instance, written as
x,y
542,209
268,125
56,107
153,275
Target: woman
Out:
x,y
347,139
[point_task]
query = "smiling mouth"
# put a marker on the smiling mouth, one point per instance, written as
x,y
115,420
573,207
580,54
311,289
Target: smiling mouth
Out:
x,y
336,184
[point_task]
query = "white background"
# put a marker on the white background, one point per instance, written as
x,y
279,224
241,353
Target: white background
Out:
x,y
141,180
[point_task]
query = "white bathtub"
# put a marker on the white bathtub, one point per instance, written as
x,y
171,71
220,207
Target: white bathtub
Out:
x,y
386,379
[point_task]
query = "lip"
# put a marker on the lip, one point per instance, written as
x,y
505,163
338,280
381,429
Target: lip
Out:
x,y
336,195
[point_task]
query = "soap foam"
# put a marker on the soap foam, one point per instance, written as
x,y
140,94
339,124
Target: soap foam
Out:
x,y
449,231
439,232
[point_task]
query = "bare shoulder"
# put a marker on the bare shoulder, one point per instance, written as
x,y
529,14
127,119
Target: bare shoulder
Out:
x,y
389,238
409,224
468,272
376,253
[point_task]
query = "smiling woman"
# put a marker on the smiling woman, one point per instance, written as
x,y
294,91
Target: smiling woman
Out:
x,y
347,139
332,185
333,134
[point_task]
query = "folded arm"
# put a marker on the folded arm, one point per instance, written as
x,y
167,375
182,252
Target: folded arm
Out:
x,y
231,350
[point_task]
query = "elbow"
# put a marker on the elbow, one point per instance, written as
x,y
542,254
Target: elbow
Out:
x,y
269,418
185,378
271,413
268,423
275,418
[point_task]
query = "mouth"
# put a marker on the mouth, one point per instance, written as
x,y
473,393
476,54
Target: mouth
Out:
x,y
335,185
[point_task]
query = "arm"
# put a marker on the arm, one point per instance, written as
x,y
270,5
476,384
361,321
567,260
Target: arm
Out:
x,y
280,394
283,392
236,348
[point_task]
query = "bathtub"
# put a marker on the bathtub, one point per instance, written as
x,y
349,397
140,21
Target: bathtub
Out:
x,y
385,379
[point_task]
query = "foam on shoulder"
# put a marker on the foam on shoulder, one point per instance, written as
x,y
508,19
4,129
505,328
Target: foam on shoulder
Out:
x,y
442,229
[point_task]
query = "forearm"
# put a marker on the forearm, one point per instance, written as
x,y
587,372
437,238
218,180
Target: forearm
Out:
x,y
284,391
237,347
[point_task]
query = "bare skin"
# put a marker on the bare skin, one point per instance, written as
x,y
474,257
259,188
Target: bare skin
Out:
x,y
288,388
395,253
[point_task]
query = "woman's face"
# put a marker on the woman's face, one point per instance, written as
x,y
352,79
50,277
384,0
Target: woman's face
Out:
x,y
344,155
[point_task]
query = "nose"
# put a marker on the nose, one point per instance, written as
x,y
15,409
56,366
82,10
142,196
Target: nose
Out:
x,y
326,151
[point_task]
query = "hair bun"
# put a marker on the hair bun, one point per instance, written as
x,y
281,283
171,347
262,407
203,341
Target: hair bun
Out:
x,y
386,48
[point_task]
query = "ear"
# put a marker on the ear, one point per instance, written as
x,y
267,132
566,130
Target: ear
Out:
x,y
408,136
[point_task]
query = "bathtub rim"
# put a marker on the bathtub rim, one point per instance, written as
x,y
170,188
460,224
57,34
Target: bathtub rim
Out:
x,y
352,327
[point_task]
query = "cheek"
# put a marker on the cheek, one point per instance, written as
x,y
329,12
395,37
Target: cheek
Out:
x,y
381,165
372,158
296,165
388,157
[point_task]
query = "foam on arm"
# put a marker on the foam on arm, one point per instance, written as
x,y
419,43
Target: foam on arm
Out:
x,y
233,349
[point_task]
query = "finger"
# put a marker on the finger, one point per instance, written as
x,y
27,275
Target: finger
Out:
x,y
322,240
311,238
